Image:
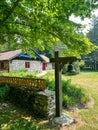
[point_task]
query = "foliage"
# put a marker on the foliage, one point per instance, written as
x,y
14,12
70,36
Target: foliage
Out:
x,y
50,85
27,24
77,65
30,125
92,33
14,118
46,52
20,73
91,59
4,91
72,94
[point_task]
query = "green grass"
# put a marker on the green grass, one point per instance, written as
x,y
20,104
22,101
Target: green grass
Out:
x,y
89,81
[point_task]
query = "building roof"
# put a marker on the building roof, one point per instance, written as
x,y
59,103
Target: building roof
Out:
x,y
44,58
41,57
24,55
9,55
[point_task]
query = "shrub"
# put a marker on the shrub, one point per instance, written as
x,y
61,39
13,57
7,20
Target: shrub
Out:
x,y
20,73
77,66
50,85
71,94
4,91
68,101
75,94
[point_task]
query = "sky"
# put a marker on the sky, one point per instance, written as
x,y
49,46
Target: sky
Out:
x,y
86,21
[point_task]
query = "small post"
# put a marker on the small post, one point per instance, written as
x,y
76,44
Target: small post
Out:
x,y
58,86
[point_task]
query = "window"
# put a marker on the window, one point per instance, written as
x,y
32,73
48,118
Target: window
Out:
x,y
27,64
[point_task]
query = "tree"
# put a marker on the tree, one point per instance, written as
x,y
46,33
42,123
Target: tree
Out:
x,y
41,23
91,59
92,34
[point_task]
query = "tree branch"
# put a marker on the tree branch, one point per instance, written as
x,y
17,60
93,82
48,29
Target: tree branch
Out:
x,y
9,12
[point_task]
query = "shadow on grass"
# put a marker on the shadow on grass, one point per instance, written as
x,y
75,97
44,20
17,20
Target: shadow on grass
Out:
x,y
16,118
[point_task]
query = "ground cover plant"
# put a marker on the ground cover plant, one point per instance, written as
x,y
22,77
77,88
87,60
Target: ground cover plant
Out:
x,y
4,91
15,118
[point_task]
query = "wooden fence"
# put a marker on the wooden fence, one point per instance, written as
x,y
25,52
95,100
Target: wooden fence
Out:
x,y
39,84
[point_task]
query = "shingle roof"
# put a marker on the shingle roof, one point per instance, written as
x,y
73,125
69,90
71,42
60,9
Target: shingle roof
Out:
x,y
41,57
44,58
12,54
9,55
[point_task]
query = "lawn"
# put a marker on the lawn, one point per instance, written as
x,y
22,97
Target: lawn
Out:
x,y
12,118
89,81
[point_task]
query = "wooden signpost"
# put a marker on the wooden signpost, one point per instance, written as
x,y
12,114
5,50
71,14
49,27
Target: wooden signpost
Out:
x,y
59,63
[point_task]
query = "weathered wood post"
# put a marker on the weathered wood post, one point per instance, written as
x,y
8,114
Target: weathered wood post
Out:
x,y
58,86
59,63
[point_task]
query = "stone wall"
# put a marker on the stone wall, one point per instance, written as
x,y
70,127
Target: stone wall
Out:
x,y
20,64
41,103
45,103
34,65
49,66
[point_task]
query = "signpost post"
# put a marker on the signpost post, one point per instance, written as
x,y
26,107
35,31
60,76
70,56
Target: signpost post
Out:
x,y
59,63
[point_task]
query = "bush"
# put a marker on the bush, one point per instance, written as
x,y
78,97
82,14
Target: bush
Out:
x,y
20,73
68,101
71,94
4,91
50,85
